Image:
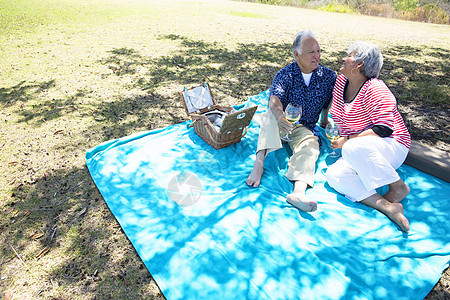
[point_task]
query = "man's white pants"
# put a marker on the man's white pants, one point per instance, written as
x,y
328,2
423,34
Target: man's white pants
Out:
x,y
304,146
367,163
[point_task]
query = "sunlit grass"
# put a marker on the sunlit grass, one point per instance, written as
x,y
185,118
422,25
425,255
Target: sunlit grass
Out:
x,y
247,14
29,15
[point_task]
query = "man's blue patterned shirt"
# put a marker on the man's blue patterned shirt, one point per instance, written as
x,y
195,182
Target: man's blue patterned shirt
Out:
x,y
288,85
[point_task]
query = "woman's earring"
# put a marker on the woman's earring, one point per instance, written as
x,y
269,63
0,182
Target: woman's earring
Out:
x,y
351,72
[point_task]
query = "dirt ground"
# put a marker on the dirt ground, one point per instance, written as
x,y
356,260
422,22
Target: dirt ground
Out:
x,y
430,125
83,72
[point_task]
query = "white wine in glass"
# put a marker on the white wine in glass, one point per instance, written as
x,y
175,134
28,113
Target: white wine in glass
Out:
x,y
292,115
333,133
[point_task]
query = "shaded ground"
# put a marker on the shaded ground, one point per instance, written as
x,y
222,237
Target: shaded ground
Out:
x,y
70,86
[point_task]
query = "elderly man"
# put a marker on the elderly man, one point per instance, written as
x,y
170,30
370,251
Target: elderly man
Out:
x,y
310,85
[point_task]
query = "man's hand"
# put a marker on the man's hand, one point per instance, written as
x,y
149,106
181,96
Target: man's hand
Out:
x,y
324,117
323,123
284,125
277,109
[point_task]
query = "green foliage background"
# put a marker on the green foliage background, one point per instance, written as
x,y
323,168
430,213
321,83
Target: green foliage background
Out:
x,y
414,10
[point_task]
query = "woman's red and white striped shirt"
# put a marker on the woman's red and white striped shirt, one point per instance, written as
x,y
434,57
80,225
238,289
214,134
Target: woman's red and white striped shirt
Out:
x,y
373,105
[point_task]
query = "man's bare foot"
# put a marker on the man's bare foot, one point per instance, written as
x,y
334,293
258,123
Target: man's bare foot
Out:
x,y
397,192
300,201
298,198
254,179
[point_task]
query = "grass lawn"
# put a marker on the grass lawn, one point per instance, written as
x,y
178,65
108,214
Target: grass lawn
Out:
x,y
77,73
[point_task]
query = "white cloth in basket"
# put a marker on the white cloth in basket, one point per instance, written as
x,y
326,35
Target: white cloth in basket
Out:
x,y
197,98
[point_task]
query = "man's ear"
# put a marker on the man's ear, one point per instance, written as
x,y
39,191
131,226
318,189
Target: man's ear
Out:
x,y
296,54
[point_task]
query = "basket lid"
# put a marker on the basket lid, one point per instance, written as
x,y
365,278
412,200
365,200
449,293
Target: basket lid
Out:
x,y
197,98
238,120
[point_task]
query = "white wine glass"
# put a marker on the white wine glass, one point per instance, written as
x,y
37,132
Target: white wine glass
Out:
x,y
292,115
333,133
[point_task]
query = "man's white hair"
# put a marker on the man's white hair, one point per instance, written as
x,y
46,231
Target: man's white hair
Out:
x,y
299,38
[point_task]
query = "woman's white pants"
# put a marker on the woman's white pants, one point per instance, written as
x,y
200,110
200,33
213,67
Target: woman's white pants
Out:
x,y
367,163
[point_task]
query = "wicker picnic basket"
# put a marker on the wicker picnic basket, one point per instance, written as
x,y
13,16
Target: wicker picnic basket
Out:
x,y
200,105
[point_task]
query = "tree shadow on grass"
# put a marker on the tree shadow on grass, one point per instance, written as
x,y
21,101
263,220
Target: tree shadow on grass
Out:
x,y
418,77
33,106
63,213
23,91
244,71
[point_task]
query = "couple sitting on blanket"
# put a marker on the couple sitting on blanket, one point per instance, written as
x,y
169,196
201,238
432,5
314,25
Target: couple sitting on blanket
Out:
x,y
374,138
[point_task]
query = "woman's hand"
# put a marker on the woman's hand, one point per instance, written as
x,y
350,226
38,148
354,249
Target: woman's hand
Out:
x,y
337,144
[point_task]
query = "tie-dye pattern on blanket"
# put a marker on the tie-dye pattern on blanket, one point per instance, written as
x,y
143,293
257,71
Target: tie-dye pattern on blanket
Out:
x,y
204,234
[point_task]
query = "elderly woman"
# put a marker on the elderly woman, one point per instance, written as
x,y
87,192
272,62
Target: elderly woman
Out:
x,y
374,138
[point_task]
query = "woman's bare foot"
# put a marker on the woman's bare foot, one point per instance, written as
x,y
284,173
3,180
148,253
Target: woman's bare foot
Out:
x,y
393,211
298,198
254,179
397,191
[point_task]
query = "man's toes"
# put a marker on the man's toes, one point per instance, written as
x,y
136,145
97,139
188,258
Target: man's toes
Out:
x,y
252,183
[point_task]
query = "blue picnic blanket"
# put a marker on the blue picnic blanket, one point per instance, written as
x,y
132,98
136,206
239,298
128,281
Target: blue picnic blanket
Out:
x,y
204,234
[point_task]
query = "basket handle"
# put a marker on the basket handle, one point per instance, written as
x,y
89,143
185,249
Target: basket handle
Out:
x,y
195,118
221,143
245,132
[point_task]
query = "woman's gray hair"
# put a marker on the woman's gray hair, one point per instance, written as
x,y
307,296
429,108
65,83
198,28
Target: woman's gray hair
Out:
x,y
299,38
370,55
